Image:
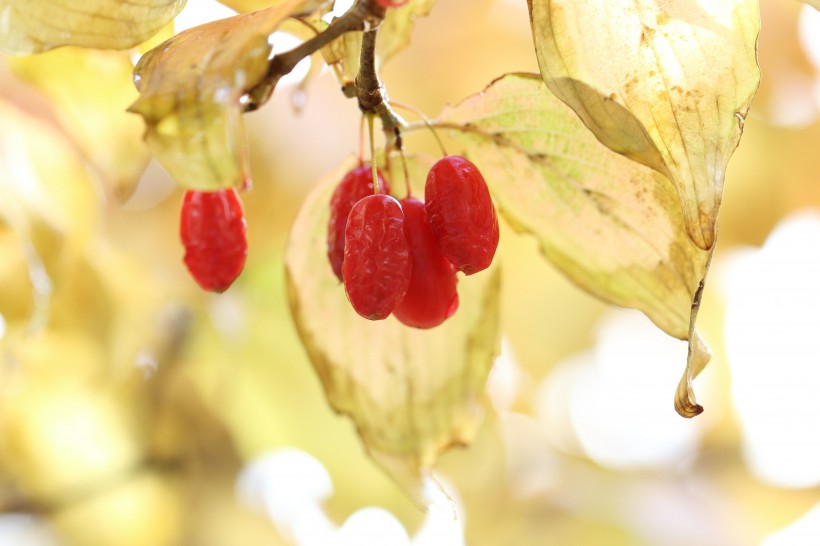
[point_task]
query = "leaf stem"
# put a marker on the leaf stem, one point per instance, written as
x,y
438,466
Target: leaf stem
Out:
x,y
426,121
377,188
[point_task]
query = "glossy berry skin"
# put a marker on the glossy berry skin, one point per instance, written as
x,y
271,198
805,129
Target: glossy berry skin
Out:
x,y
431,297
377,262
356,185
461,213
212,228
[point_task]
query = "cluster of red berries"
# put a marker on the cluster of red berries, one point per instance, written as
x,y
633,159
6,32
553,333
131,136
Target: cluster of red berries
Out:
x,y
401,257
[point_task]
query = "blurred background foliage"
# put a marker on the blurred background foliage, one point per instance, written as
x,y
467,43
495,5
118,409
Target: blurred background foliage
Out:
x,y
135,409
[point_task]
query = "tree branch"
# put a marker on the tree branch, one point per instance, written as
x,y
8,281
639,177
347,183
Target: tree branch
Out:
x,y
370,92
363,15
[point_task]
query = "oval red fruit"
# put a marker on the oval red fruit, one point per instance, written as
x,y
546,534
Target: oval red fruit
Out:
x,y
356,185
431,297
377,263
461,213
212,228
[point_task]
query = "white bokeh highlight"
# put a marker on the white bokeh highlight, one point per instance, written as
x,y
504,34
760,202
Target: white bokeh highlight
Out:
x,y
803,532
618,397
773,345
290,486
25,530
200,12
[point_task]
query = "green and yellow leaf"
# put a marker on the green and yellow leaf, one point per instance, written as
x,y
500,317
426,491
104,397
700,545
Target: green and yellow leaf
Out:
x,y
613,226
191,91
30,26
411,393
90,90
667,84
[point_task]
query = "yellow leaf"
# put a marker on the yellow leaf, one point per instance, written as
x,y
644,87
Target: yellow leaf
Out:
x,y
667,84
90,90
813,3
411,393
29,26
191,88
611,225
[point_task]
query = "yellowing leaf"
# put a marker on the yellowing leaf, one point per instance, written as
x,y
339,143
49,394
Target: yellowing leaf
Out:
x,y
191,88
667,84
411,393
90,90
29,26
611,225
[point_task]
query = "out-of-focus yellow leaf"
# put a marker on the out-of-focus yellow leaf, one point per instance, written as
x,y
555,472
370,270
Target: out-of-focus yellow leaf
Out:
x,y
611,225
191,88
58,440
344,53
667,84
411,393
90,90
141,508
43,180
29,26
50,205
813,3
247,6
394,35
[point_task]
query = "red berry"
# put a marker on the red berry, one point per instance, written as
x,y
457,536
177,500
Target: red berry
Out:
x,y
377,263
431,297
356,185
212,228
461,213
391,3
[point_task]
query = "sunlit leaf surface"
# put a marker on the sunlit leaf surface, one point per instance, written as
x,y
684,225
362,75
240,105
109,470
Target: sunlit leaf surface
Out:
x,y
191,88
90,90
29,26
667,84
411,393
611,225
